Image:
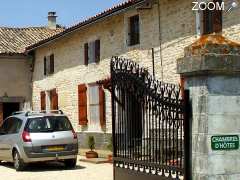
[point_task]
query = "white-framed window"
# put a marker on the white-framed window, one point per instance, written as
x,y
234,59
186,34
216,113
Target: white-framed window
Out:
x,y
92,52
94,108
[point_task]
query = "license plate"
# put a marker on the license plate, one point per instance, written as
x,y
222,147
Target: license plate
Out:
x,y
55,148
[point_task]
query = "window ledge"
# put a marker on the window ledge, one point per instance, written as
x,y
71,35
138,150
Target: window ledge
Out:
x,y
133,47
94,131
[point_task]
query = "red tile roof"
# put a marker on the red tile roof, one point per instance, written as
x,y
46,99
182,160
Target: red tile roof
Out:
x,y
116,9
15,40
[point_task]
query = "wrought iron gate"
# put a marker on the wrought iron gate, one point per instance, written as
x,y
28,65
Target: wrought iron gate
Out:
x,y
148,125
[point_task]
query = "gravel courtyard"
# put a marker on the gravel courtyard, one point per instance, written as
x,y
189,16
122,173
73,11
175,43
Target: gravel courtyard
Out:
x,y
55,171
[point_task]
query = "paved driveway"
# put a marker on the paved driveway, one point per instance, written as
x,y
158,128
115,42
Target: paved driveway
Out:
x,y
56,171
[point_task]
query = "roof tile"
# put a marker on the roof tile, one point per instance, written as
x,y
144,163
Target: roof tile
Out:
x,y
15,40
105,13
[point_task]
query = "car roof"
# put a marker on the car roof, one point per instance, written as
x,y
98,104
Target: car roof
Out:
x,y
26,115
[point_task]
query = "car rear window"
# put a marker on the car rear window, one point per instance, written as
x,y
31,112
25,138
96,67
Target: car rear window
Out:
x,y
48,124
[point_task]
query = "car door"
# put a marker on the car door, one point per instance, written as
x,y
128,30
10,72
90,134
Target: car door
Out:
x,y
12,137
3,139
2,133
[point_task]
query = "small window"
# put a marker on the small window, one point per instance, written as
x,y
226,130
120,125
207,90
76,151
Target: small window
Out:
x,y
211,20
97,114
49,65
17,123
92,52
134,30
93,93
11,126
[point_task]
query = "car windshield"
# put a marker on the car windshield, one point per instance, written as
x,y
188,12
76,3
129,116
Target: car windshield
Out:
x,y
48,124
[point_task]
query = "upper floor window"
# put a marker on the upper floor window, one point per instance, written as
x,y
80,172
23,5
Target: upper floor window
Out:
x,y
49,64
211,20
134,30
92,52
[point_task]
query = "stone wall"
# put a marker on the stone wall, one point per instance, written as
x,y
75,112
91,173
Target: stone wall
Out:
x,y
15,78
101,139
177,30
211,70
231,24
215,110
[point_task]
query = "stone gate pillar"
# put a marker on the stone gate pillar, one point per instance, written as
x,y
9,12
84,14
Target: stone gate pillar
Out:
x,y
211,69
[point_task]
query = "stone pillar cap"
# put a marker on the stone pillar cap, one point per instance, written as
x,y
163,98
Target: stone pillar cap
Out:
x,y
210,54
213,43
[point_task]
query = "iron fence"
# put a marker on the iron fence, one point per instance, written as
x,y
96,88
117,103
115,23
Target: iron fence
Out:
x,y
148,122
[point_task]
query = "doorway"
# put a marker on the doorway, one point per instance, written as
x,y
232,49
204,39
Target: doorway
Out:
x,y
9,108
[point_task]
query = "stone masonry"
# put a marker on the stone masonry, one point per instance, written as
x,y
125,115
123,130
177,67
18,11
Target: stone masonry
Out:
x,y
69,53
211,70
177,30
16,79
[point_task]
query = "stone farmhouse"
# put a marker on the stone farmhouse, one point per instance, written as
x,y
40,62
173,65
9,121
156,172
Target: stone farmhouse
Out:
x,y
59,68
15,66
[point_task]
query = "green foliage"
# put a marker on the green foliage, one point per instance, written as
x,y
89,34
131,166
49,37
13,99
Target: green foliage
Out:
x,y
91,142
110,145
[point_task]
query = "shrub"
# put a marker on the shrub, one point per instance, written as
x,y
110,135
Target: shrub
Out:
x,y
91,143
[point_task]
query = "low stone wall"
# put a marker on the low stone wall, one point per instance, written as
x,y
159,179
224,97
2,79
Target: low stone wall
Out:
x,y
101,140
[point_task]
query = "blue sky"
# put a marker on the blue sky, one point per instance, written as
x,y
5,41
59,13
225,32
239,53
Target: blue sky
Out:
x,y
25,13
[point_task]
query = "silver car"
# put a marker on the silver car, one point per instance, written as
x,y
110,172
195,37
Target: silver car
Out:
x,y
28,137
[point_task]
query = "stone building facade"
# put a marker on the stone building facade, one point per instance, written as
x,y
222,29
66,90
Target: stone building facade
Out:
x,y
15,67
166,27
18,78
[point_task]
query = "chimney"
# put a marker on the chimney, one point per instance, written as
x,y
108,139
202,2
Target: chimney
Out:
x,y
52,20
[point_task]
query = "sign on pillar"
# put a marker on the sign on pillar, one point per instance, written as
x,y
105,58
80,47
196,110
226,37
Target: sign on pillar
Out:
x,y
226,142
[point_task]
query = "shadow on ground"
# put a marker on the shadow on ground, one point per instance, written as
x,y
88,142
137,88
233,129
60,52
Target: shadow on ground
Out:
x,y
42,167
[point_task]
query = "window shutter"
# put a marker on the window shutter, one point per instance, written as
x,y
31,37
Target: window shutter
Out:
x,y
86,57
54,99
97,51
102,107
82,104
51,63
45,66
207,22
212,20
43,100
217,21
134,30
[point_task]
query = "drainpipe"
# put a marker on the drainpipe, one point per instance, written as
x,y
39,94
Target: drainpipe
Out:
x,y
153,62
160,38
31,58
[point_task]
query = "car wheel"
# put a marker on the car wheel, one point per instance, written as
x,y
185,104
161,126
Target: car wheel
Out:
x,y
70,163
19,165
